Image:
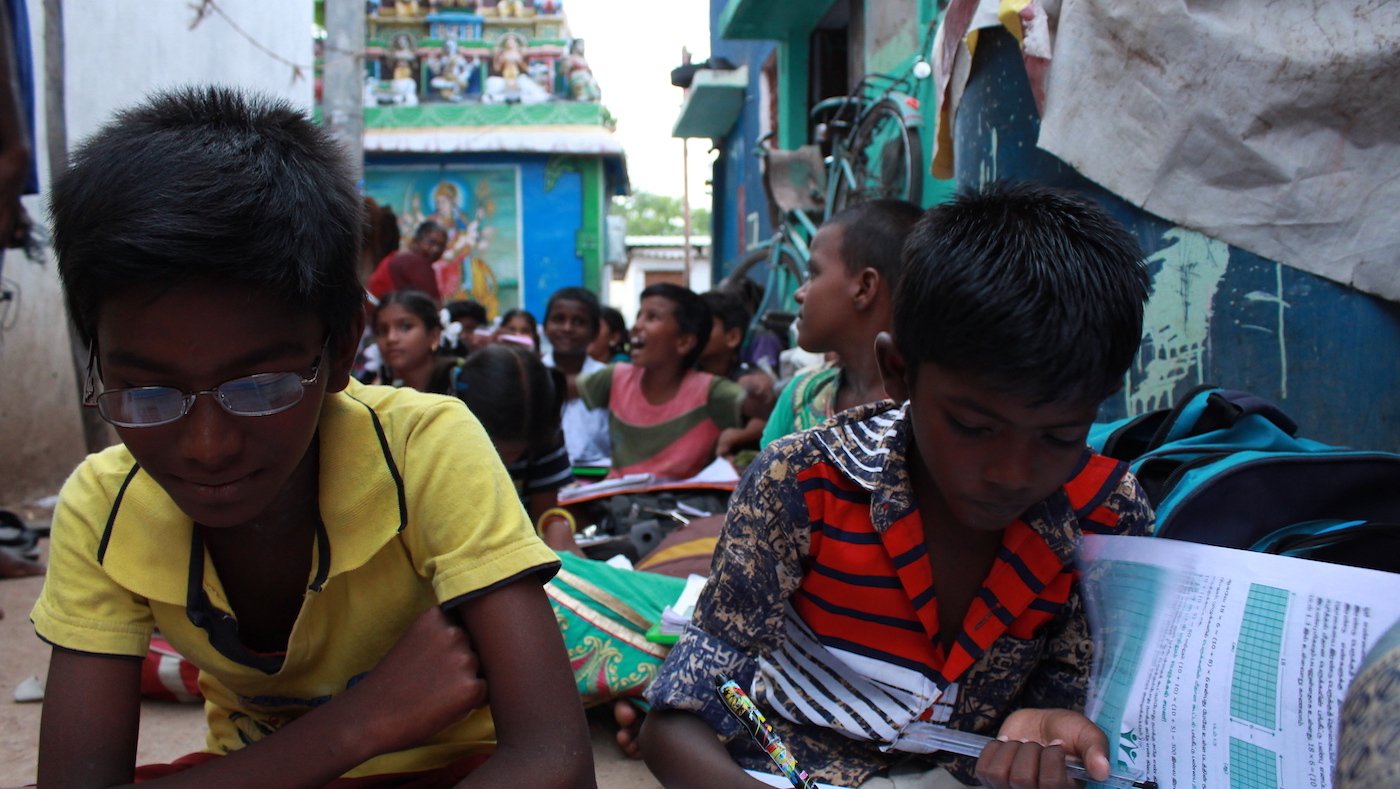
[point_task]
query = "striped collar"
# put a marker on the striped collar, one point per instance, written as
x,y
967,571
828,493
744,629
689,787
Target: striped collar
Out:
x,y
871,445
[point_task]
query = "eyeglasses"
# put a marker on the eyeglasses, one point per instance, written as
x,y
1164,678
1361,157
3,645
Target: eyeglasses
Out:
x,y
260,394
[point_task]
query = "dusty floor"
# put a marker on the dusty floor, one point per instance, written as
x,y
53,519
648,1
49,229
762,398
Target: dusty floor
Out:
x,y
171,730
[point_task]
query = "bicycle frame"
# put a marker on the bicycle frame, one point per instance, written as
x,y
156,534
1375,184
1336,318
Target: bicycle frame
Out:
x,y
846,116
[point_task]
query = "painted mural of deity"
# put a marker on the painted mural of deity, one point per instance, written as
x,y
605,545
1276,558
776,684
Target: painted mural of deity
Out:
x,y
477,207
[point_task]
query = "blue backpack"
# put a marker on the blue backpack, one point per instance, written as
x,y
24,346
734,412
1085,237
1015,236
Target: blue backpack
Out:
x,y
1226,467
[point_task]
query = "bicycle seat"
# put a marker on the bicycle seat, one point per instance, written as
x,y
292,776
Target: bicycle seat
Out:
x,y
794,179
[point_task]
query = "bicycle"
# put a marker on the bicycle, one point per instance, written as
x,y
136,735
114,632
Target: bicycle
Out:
x,y
783,254
876,151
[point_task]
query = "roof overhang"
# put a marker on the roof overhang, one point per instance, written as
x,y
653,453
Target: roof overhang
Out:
x,y
769,20
713,103
552,127
510,139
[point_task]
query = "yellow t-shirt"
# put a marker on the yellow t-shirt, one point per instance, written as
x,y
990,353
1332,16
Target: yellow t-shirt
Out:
x,y
417,510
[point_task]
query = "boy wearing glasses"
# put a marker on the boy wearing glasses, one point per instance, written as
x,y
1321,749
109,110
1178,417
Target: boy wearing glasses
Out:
x,y
344,563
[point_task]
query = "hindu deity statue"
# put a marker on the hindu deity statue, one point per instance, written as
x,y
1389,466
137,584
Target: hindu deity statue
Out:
x,y
451,70
582,85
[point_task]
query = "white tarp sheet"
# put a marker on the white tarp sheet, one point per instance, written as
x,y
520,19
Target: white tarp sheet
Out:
x,y
1274,126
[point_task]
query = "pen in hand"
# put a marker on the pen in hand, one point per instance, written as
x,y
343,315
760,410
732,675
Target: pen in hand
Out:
x,y
932,737
742,708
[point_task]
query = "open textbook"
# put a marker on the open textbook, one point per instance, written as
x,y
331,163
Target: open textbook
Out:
x,y
1223,668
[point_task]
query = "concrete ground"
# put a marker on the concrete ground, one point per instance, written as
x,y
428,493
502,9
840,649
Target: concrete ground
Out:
x,y
169,731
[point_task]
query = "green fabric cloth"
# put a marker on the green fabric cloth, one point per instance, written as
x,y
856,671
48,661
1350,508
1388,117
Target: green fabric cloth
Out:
x,y
807,401
604,614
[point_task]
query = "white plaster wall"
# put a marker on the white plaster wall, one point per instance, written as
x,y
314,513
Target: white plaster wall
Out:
x,y
120,50
117,52
626,294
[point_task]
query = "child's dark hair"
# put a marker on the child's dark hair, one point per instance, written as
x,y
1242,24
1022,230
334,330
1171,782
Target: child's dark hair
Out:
x,y
426,228
692,316
212,184
617,324
520,312
581,296
514,395
417,302
1037,289
873,234
466,308
728,307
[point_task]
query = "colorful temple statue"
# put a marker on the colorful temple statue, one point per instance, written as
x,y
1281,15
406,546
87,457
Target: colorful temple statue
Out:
x,y
507,116
403,85
511,81
451,72
582,85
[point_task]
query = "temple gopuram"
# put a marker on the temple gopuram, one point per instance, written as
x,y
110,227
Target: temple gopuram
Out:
x,y
485,118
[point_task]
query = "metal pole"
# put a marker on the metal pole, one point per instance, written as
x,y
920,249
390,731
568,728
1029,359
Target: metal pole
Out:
x,y
342,92
685,204
97,434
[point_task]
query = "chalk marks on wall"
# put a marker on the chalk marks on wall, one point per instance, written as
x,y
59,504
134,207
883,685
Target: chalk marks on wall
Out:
x,y
1176,324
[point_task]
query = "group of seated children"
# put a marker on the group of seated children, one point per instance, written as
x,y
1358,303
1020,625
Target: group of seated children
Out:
x,y
665,415
363,589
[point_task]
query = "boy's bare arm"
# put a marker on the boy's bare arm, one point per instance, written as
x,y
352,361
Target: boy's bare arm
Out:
x,y
426,682
92,714
542,735
682,751
731,439
758,396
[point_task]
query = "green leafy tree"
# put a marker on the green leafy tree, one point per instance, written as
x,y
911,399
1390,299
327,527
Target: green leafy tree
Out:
x,y
659,215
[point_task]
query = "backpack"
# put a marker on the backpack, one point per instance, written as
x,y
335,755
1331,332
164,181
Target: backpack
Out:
x,y
1226,467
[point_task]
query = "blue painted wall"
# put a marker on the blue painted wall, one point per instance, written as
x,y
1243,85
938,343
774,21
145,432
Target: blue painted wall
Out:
x,y
1328,354
551,219
738,184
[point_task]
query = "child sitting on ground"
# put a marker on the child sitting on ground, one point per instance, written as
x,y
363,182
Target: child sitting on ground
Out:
x,y
408,332
666,416
461,319
911,563
344,563
721,357
406,326
571,321
845,302
518,401
519,326
611,343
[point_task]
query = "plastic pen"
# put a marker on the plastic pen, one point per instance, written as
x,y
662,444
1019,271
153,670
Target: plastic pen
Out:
x,y
941,738
742,707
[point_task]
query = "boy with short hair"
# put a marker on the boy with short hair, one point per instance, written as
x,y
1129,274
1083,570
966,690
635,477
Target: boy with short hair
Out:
x,y
571,322
721,357
344,563
910,565
666,416
845,301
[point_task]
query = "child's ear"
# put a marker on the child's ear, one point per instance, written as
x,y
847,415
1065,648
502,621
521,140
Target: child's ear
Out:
x,y
684,342
343,358
893,369
733,338
867,288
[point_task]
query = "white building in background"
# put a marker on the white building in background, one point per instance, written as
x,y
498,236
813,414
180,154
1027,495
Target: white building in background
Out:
x,y
653,259
116,52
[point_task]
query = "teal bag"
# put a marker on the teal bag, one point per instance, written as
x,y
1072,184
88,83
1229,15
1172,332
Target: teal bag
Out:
x,y
1226,467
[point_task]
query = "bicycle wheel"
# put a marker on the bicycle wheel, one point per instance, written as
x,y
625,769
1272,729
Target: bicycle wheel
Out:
x,y
777,272
885,157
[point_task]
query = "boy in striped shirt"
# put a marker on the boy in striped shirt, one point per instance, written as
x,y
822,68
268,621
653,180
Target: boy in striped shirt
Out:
x,y
911,562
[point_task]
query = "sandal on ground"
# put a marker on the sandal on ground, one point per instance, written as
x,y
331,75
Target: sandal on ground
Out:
x,y
18,537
